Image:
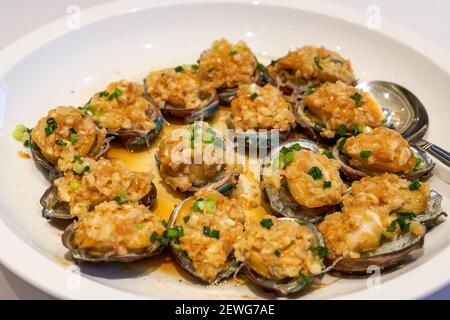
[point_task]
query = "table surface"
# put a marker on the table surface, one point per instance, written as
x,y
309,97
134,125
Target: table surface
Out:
x,y
19,17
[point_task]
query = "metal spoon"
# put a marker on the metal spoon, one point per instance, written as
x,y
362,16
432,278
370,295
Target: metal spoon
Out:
x,y
406,113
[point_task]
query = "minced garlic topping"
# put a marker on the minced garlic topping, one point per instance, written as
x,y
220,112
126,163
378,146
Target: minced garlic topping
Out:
x,y
279,252
184,164
103,180
388,152
367,212
66,132
179,87
310,63
335,104
120,229
313,180
227,65
258,107
121,106
391,191
209,250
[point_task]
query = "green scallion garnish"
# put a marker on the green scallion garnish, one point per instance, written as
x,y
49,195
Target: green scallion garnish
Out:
x,y
315,173
266,223
51,126
61,143
317,63
115,94
364,154
415,185
342,130
357,98
73,135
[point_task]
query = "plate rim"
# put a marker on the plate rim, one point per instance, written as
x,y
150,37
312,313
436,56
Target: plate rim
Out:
x,y
32,273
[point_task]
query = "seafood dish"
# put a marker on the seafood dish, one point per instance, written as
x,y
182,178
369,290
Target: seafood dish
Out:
x,y
333,189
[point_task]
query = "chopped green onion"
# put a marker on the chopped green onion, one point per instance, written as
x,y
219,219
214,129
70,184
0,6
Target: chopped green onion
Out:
x,y
328,154
175,232
319,250
277,253
19,133
215,234
120,200
261,67
273,63
296,147
266,223
77,159
210,206
179,69
80,170
288,157
415,185
319,125
176,246
315,173
341,143
364,154
139,226
161,239
355,129
418,164
304,279
103,94
73,135
89,107
198,205
312,88
115,94
327,184
357,98
233,52
74,185
61,143
195,67
190,132
277,163
212,233
342,130
285,186
283,150
317,62
123,193
407,215
208,137
51,126
186,219
401,221
254,96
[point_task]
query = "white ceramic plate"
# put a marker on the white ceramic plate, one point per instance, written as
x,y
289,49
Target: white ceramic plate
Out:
x,y
58,66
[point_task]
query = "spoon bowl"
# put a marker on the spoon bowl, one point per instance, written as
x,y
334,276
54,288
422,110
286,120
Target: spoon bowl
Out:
x,y
406,114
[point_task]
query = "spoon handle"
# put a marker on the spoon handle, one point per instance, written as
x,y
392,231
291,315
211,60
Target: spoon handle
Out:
x,y
435,151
